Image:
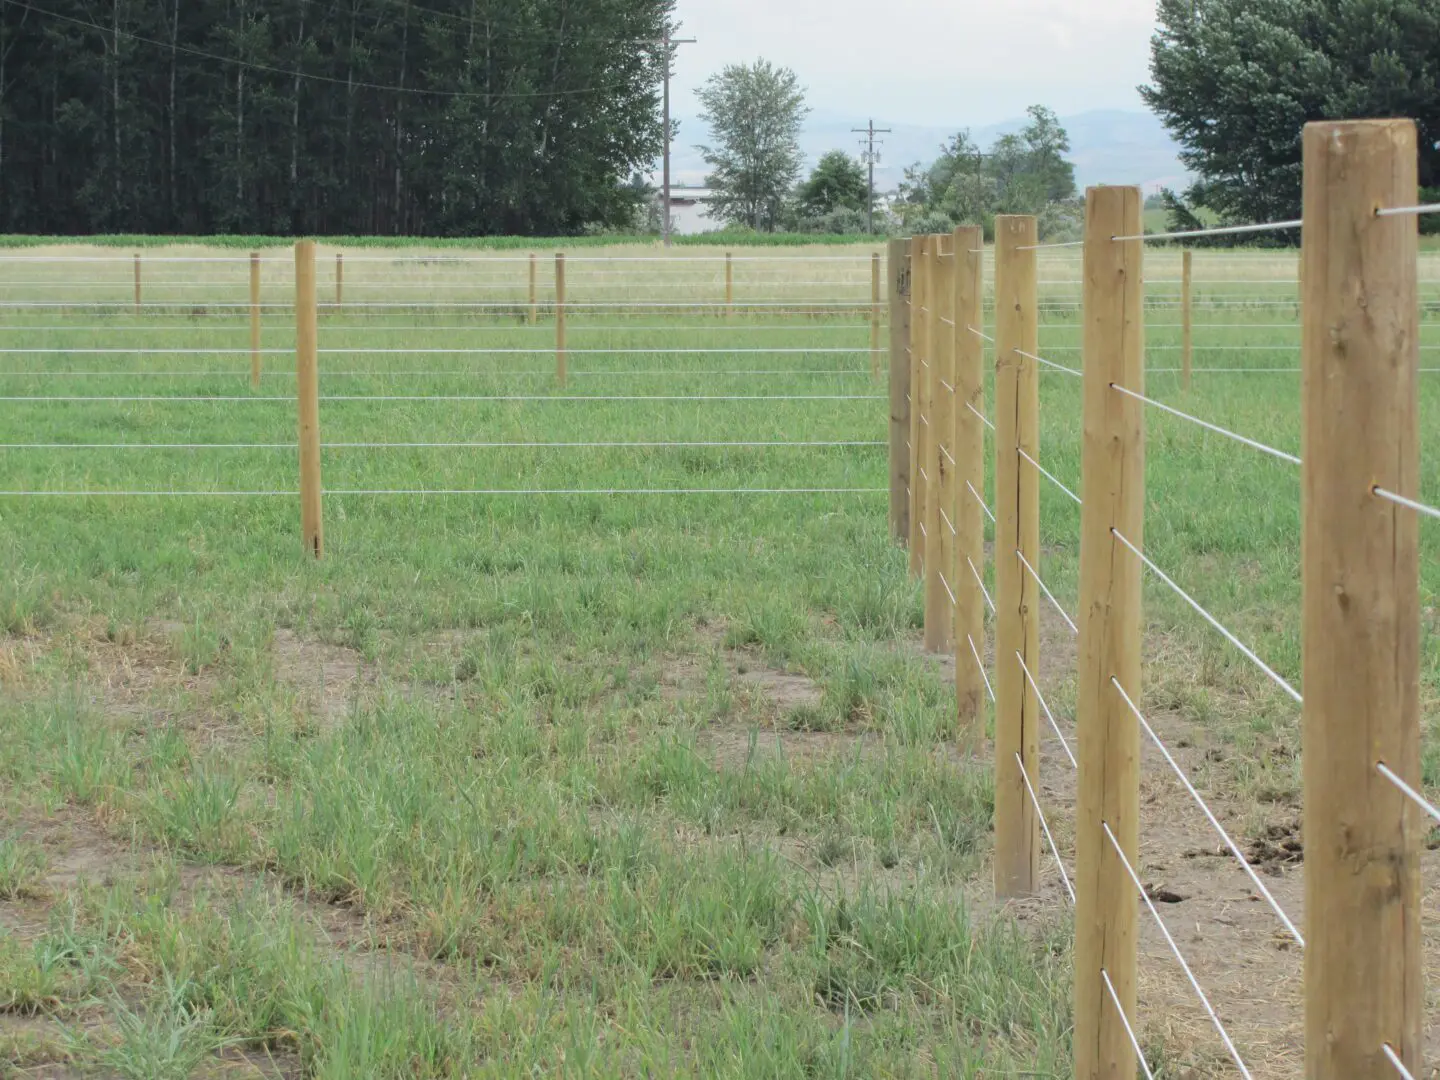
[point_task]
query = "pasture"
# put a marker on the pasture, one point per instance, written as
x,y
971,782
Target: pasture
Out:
x,y
601,741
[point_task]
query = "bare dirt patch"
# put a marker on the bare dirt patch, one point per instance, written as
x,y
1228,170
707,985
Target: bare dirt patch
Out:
x,y
329,679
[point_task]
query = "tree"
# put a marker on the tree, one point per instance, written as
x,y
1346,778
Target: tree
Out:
x,y
837,182
1236,80
754,113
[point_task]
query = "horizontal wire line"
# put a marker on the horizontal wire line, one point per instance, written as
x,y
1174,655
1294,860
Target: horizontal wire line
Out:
x,y
1049,476
1051,364
1051,247
452,491
948,591
1039,813
981,415
948,523
789,351
980,499
1179,956
981,582
1210,816
1394,1059
981,665
1228,230
1277,679
1125,1020
981,334
947,322
1046,588
1048,714
436,373
1281,454
459,445
948,456
457,397
1401,211
1408,791
1401,500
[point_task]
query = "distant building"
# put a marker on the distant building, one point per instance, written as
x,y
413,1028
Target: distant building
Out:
x,y
690,210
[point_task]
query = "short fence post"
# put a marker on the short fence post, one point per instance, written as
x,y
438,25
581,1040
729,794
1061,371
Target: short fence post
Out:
x,y
1112,485
254,318
1187,317
940,516
560,373
1364,961
307,393
532,313
1017,536
339,279
875,315
899,262
137,283
969,450
919,278
729,285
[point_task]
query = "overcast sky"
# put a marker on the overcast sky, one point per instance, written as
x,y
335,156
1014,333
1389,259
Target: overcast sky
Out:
x,y
952,63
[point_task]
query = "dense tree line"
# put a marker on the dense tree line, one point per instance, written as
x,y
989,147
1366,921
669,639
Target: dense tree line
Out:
x,y
458,117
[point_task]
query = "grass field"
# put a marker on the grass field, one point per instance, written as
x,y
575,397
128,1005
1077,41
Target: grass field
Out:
x,y
588,785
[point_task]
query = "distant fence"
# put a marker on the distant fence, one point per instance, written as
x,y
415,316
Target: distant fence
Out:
x,y
1364,828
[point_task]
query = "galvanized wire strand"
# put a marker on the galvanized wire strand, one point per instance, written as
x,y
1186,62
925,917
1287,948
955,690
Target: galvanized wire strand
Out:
x,y
948,523
981,582
633,351
459,445
331,327
1048,714
981,500
448,491
1047,474
948,591
1051,247
1402,211
1277,679
1228,230
981,665
981,334
1408,791
1210,816
948,456
1051,364
440,373
1050,839
1401,500
981,415
1281,454
452,397
1179,956
1394,1059
1129,1031
798,302
947,322
1046,588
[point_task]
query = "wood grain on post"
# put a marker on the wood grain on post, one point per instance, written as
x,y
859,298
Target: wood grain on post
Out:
x,y
137,283
1187,317
1364,958
560,372
339,279
899,265
918,279
969,450
875,315
1017,533
307,393
254,318
1113,487
532,312
940,543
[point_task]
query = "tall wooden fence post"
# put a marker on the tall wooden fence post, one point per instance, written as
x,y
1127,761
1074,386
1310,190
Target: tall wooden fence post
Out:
x,y
254,318
899,265
532,314
875,315
339,279
729,284
307,393
919,277
940,579
1017,536
560,372
137,283
1112,485
1187,316
969,450
1364,960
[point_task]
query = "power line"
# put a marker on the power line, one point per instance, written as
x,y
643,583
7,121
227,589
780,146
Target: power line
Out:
x,y
871,157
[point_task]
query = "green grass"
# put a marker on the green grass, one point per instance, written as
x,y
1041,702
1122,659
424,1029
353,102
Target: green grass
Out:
x,y
505,785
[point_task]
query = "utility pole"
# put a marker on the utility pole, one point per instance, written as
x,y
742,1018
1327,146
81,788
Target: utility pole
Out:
x,y
667,44
871,157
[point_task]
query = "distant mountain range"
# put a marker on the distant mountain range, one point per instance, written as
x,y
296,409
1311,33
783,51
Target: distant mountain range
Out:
x,y
1108,146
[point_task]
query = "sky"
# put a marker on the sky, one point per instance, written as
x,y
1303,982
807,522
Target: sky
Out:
x,y
951,63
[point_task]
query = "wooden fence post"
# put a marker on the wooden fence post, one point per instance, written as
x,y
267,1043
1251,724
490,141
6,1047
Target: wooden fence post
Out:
x,y
919,278
532,312
1364,961
899,262
1017,535
729,285
137,283
254,318
1112,485
307,393
969,450
1187,316
339,279
560,372
940,513
875,315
